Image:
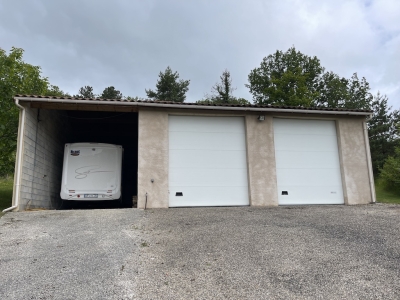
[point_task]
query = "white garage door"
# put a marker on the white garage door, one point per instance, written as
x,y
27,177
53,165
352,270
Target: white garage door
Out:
x,y
307,162
207,161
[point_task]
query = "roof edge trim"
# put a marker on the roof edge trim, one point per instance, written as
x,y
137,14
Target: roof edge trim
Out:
x,y
198,107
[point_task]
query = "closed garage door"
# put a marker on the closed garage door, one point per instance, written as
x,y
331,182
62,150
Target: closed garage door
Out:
x,y
307,162
207,161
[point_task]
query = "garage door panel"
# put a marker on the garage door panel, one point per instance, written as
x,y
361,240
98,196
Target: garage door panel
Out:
x,y
206,159
307,162
296,195
207,177
311,177
314,143
303,127
208,196
305,159
197,124
206,140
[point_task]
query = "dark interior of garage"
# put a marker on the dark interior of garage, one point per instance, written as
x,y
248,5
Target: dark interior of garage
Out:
x,y
119,128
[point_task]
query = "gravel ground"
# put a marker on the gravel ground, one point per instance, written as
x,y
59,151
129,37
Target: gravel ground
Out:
x,y
77,254
307,252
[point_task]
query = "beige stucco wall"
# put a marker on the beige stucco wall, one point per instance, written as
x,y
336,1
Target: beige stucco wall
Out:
x,y
153,156
261,161
153,159
354,161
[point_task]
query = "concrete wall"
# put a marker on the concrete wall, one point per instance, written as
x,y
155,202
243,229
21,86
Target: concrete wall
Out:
x,y
44,141
153,159
153,156
43,148
354,161
261,161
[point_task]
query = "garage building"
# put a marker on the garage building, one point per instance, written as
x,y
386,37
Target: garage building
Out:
x,y
186,154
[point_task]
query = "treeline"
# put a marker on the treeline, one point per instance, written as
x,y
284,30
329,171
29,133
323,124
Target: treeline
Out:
x,y
288,78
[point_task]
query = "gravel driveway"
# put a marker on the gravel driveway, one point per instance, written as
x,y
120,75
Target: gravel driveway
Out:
x,y
308,252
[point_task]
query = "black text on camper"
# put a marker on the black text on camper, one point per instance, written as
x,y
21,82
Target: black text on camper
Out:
x,y
75,152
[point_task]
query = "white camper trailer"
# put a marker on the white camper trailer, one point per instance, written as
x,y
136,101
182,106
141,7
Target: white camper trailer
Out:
x,y
91,171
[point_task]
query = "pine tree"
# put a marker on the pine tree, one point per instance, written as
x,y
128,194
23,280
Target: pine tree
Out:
x,y
169,88
86,92
111,93
383,132
222,91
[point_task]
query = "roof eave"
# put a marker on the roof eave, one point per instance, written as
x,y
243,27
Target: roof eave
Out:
x,y
194,106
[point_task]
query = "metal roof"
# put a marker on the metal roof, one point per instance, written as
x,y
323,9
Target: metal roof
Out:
x,y
190,105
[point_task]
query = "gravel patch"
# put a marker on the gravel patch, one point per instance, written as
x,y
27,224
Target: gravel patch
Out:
x,y
308,252
304,252
86,254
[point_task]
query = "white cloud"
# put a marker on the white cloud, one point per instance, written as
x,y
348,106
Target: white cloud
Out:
x,y
126,43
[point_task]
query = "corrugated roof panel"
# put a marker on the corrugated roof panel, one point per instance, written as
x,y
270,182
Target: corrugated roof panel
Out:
x,y
191,103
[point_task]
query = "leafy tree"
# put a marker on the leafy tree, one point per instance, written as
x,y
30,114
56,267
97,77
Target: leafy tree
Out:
x,y
336,92
390,173
383,132
295,79
87,92
111,93
289,78
333,91
169,88
16,77
54,90
359,96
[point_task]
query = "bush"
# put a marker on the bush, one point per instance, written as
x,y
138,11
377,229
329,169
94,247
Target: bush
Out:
x,y
390,173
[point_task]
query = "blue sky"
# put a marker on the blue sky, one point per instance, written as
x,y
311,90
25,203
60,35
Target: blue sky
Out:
x,y
127,43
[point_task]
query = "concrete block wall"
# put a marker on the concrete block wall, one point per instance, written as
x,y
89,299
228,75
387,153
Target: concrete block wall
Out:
x,y
43,150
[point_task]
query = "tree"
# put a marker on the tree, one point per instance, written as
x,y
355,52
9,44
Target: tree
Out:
x,y
111,93
333,92
87,92
390,173
295,79
222,91
136,98
16,77
359,96
336,92
289,78
169,88
383,132
232,100
54,90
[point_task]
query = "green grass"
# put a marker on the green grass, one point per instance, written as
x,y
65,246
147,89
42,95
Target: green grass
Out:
x,y
385,196
6,188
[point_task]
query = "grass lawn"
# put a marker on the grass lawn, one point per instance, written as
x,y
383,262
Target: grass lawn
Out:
x,y
6,187
385,196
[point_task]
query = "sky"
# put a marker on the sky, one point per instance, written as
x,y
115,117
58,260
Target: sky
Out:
x,y
126,43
